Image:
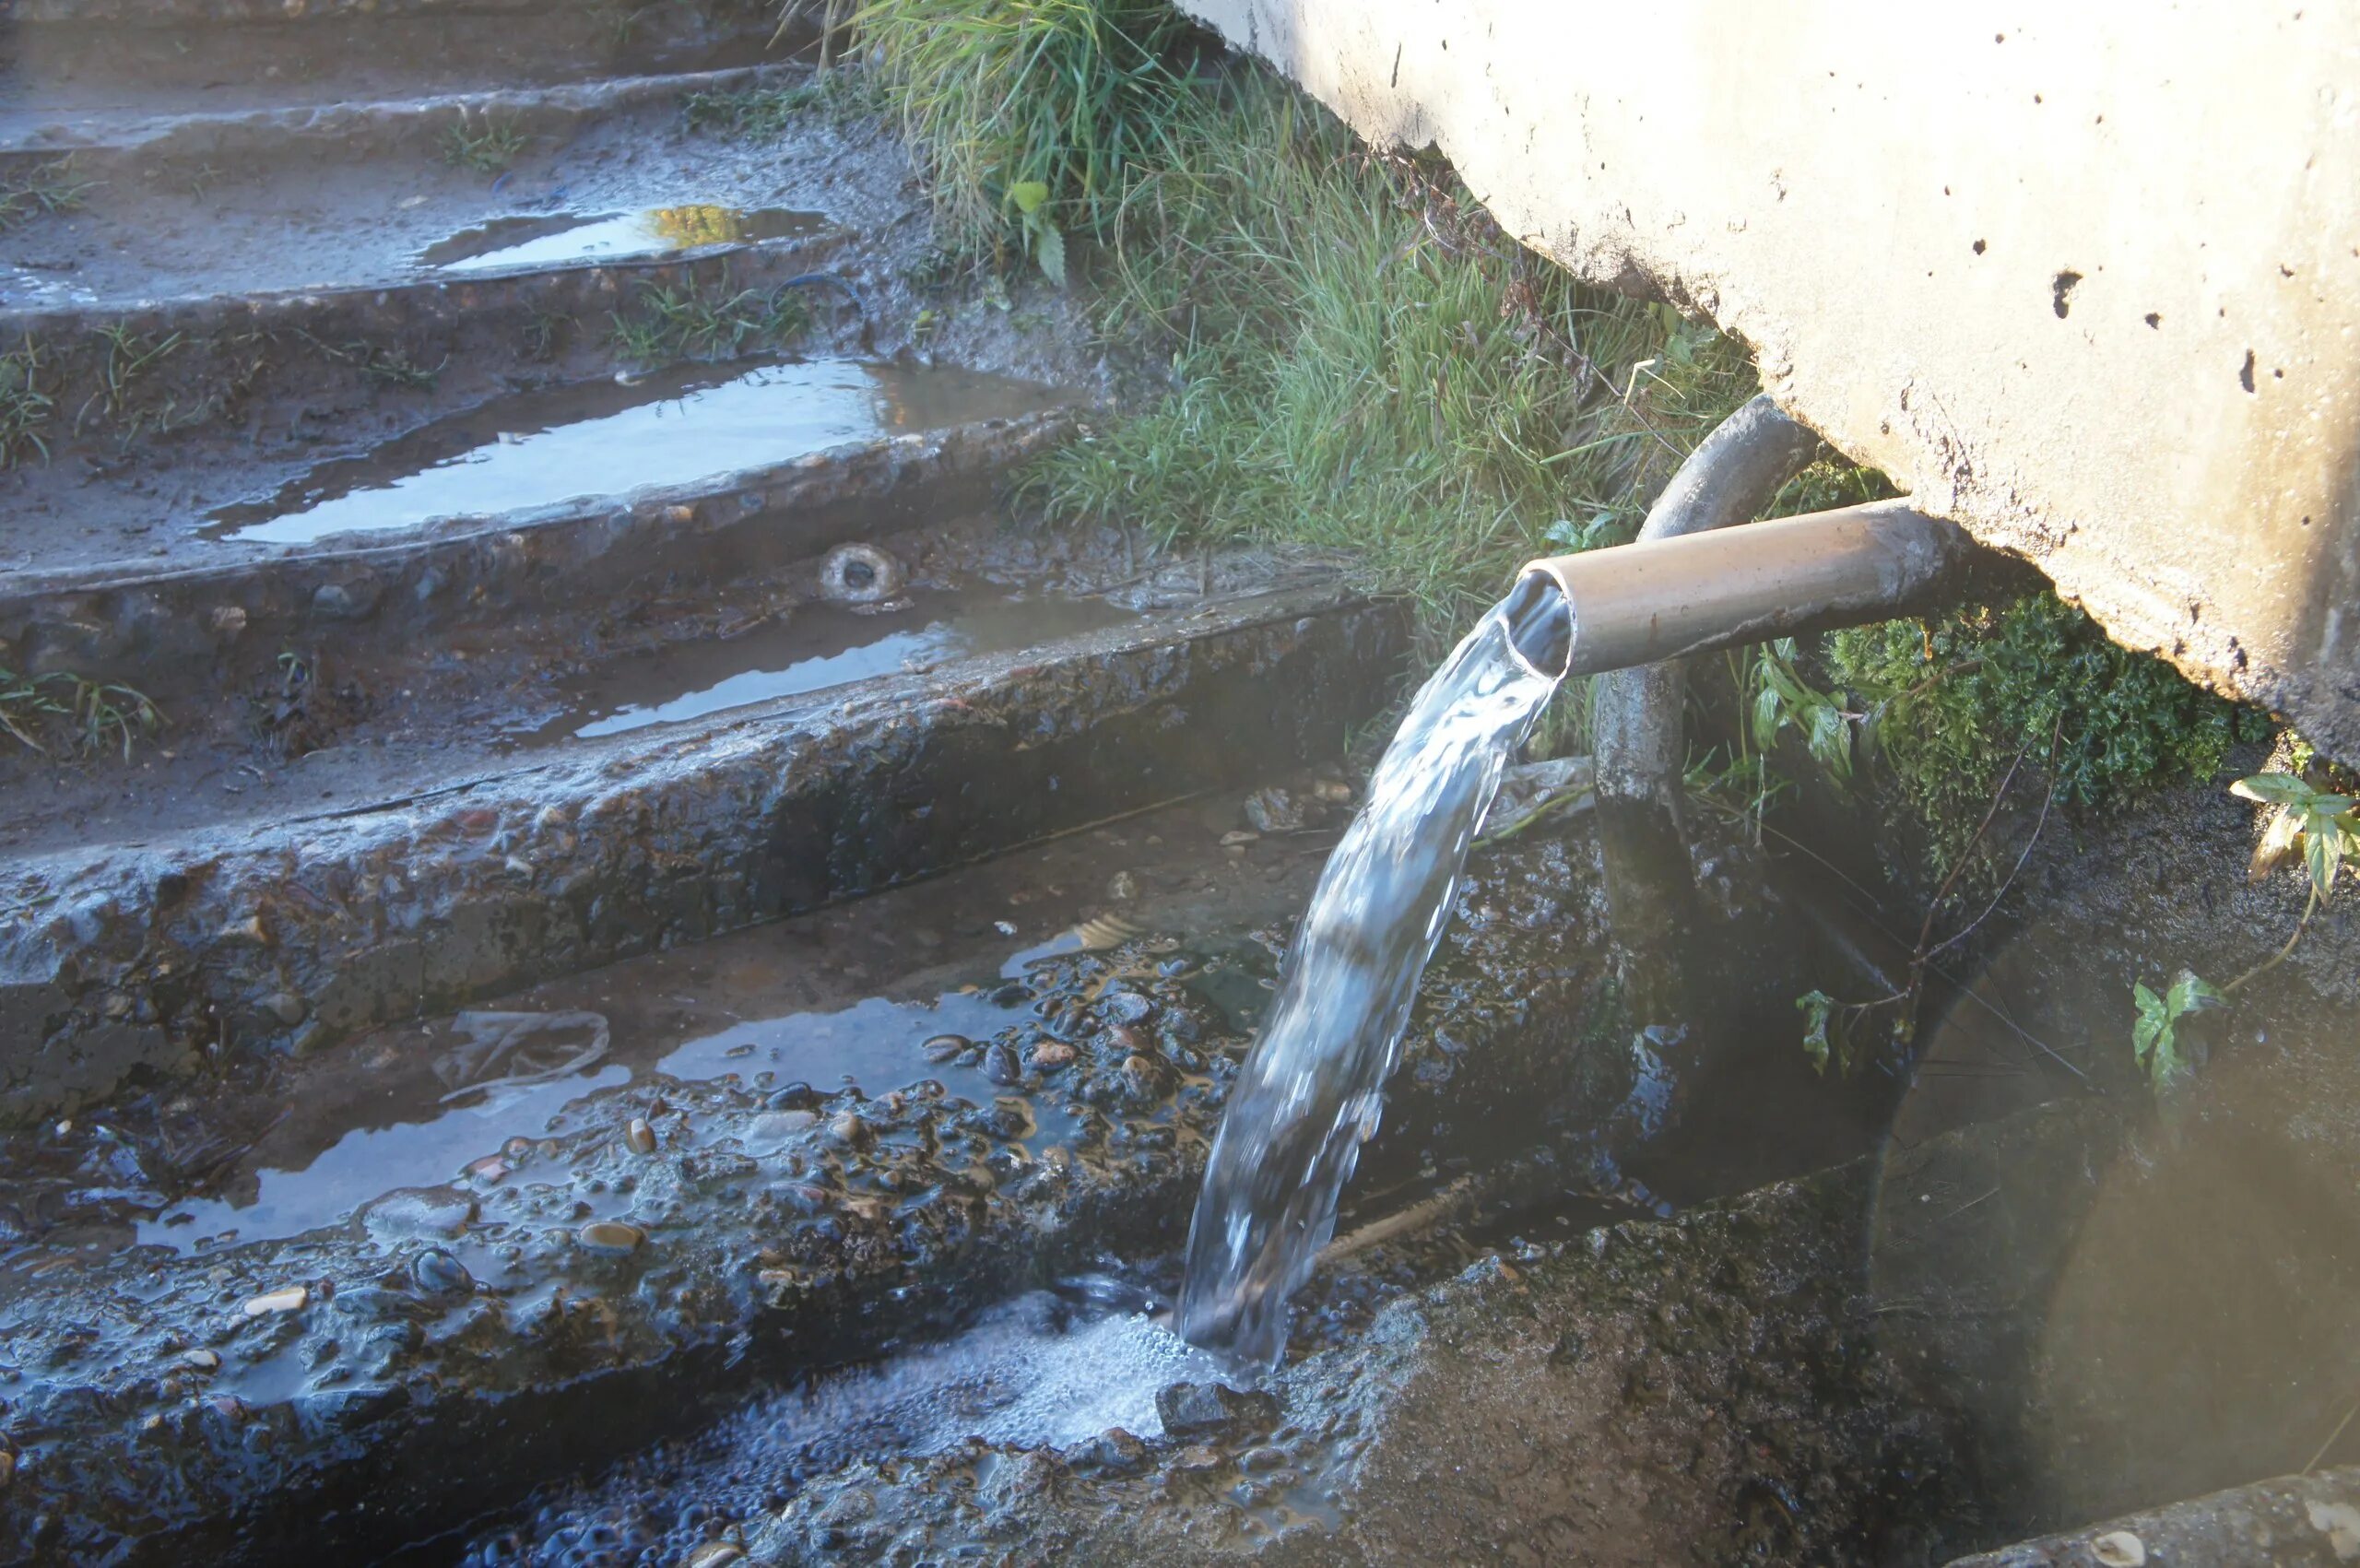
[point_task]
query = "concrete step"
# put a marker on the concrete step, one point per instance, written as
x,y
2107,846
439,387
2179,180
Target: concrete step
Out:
x,y
362,193
291,932
71,65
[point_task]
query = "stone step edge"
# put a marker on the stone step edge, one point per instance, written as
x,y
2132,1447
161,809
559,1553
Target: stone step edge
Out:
x,y
129,957
117,145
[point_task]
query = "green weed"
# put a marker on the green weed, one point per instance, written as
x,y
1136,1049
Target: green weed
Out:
x,y
48,188
666,323
24,406
1947,703
760,114
485,149
120,399
93,715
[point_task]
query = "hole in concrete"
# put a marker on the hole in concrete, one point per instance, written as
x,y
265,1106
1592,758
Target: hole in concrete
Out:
x,y
2244,373
2061,292
1979,247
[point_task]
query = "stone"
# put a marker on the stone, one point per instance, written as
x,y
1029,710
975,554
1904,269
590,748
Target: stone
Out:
x,y
1191,1411
293,1298
1000,1064
1048,1055
437,1273
640,1136
1274,810
611,1236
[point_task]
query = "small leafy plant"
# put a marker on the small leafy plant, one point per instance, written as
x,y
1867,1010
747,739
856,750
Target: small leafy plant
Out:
x,y
24,406
489,150
2320,825
1782,700
2155,1038
685,322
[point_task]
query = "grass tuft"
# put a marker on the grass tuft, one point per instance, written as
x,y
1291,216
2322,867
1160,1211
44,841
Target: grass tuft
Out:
x,y
1033,118
46,189
24,406
38,711
1362,363
487,149
667,323
763,113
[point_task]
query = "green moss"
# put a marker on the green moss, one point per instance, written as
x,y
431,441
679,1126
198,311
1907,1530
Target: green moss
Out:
x,y
1953,703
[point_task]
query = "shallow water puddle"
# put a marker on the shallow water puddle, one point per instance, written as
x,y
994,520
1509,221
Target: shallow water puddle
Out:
x,y
605,440
817,646
555,239
875,1044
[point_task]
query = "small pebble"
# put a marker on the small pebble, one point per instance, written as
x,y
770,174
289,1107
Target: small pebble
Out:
x,y
943,1047
711,1554
1051,1054
437,1273
489,1169
1000,1064
2121,1549
201,1360
612,1235
640,1136
294,1298
1239,839
796,1096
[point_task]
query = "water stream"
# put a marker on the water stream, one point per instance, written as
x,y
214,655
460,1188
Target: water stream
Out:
x,y
1312,1089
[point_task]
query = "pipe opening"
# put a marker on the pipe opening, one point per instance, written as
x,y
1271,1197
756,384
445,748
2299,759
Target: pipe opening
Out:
x,y
1539,619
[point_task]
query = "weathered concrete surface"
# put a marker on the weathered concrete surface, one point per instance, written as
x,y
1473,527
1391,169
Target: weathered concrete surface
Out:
x,y
2090,288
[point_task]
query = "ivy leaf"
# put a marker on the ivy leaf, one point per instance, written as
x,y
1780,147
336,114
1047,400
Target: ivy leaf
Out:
x,y
1767,711
2275,789
1817,1008
2189,993
1029,195
2323,853
1831,742
2153,1023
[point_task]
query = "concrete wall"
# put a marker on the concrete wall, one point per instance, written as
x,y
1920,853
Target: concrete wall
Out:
x,y
2085,278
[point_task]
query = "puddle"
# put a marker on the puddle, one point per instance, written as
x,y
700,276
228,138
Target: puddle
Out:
x,y
819,645
555,239
873,1044
605,440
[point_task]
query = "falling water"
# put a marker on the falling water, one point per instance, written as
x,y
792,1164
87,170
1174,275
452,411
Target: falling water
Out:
x,y
1311,1090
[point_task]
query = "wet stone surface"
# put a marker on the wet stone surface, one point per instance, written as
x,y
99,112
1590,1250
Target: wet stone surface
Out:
x,y
768,1228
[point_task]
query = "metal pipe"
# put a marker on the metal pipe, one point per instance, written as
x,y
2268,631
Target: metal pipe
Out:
x,y
1659,599
1734,474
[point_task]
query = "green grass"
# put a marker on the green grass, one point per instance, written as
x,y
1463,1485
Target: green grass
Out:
x,y
1032,117
48,188
1361,363
666,323
41,710
24,406
762,113
485,149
